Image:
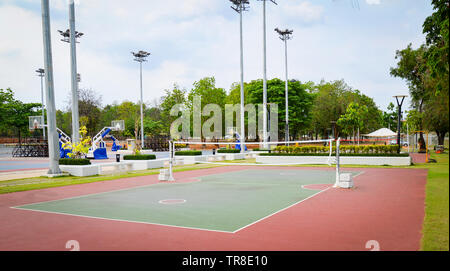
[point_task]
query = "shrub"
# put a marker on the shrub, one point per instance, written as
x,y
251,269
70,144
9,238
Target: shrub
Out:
x,y
139,157
228,151
188,153
74,161
341,154
344,149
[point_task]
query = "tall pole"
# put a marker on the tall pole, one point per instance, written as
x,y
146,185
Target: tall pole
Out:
x,y
285,35
264,78
53,140
141,57
142,111
240,7
265,128
41,75
286,91
242,139
74,80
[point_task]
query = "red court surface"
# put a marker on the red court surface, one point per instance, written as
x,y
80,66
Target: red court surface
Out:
x,y
386,205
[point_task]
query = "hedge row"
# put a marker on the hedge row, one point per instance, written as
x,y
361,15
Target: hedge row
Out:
x,y
139,157
188,153
74,162
344,149
341,154
228,151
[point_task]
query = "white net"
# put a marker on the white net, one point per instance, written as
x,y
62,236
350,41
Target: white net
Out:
x,y
35,122
118,125
291,153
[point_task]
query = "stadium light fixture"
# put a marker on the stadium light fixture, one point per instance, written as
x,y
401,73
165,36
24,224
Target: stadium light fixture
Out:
x,y
286,35
265,74
240,6
140,57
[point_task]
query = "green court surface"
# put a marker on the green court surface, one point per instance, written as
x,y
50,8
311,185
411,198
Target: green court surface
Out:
x,y
220,202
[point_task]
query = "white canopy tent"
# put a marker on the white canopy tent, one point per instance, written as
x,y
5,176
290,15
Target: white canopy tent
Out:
x,y
383,132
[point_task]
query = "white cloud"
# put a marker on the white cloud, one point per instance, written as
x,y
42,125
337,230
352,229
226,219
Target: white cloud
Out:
x,y
373,2
196,38
303,11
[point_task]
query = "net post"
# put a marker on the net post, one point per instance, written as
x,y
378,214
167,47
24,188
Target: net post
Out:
x,y
171,157
336,184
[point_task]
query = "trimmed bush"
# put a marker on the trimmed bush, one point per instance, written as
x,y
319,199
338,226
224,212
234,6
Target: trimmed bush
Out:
x,y
74,162
188,153
228,151
344,149
341,154
139,157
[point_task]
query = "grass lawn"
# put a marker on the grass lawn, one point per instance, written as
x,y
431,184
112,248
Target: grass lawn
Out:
x,y
436,228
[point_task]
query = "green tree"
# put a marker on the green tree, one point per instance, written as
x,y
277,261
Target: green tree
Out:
x,y
353,119
436,28
331,102
15,113
300,102
390,116
436,115
170,99
413,69
130,113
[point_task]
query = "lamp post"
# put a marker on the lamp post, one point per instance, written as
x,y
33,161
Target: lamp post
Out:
x,y
41,74
285,35
140,57
399,104
265,74
71,36
241,6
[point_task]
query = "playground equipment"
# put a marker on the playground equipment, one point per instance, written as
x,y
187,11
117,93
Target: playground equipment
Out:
x,y
98,148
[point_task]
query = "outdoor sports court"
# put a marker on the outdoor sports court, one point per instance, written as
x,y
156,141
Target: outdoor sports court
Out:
x,y
223,208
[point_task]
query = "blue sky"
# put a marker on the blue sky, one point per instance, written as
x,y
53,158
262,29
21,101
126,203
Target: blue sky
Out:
x,y
191,39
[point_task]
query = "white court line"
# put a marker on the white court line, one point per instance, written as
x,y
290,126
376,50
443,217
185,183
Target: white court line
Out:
x,y
303,186
105,192
20,207
121,220
280,210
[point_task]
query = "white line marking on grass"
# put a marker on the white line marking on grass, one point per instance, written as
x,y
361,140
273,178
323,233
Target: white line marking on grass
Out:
x,y
261,219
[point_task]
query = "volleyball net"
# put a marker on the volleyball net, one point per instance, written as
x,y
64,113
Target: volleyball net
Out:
x,y
235,153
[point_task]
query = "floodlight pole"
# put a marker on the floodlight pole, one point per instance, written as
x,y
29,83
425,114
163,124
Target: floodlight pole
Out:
x,y
287,91
141,57
285,36
53,140
265,75
41,74
240,6
142,108
399,104
74,81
